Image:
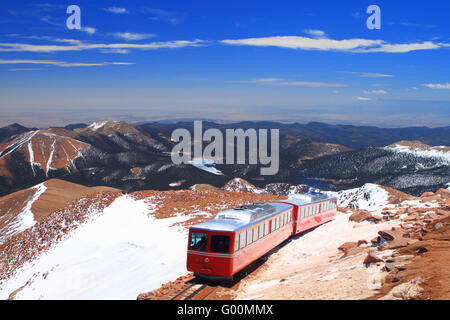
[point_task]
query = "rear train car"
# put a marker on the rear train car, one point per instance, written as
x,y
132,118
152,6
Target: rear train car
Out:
x,y
221,247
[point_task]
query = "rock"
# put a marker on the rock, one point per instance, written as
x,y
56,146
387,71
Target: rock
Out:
x,y
390,235
411,217
397,243
406,291
443,213
360,215
352,251
427,194
371,258
444,193
361,242
421,250
348,245
375,240
430,198
438,225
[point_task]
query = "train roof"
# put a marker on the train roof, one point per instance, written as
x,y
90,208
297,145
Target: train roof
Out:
x,y
308,198
240,217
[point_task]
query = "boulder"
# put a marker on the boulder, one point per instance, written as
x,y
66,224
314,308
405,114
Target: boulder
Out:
x,y
348,245
427,194
444,193
352,251
360,215
371,258
361,242
430,198
398,243
390,235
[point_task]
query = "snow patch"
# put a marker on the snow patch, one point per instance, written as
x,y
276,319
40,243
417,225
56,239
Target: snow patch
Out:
x,y
366,197
206,165
117,255
16,145
433,152
97,125
24,219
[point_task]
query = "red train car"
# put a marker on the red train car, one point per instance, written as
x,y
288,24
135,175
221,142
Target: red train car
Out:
x,y
221,247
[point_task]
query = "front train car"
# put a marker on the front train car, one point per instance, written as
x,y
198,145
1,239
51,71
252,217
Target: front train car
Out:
x,y
221,247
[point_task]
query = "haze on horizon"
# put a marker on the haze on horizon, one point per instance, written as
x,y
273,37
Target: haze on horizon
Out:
x,y
227,61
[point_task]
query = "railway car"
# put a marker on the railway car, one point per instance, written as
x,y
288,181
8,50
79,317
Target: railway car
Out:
x,y
223,246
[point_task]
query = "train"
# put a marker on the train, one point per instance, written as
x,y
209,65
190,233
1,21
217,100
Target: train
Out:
x,y
221,247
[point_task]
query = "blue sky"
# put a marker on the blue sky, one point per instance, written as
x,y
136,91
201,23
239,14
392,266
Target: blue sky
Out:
x,y
228,60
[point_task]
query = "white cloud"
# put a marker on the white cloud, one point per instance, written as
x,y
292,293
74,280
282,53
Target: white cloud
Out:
x,y
63,63
88,30
437,85
326,44
284,82
381,91
121,51
402,48
374,75
315,33
369,74
116,10
311,84
130,36
361,99
22,47
305,43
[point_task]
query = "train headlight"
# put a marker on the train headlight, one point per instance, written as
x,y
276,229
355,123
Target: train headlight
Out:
x,y
206,260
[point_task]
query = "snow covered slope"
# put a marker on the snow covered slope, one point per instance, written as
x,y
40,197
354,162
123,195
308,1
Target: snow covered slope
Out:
x,y
45,151
117,255
422,150
12,223
368,196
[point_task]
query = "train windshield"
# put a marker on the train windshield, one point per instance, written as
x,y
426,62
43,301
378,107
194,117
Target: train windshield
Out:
x,y
220,243
198,241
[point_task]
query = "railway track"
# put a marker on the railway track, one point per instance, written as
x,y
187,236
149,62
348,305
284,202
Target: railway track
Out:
x,y
198,291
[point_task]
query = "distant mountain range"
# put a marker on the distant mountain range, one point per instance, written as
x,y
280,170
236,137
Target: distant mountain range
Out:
x,y
137,157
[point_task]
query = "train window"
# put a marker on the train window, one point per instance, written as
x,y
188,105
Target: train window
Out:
x,y
266,228
249,236
220,243
255,233
261,230
277,222
284,219
272,225
198,241
242,240
303,212
236,242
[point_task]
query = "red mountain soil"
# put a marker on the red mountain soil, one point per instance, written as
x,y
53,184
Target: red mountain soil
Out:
x,y
430,261
29,244
209,202
59,194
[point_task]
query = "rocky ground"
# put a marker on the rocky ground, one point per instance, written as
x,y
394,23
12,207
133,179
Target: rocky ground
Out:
x,y
398,250
383,244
